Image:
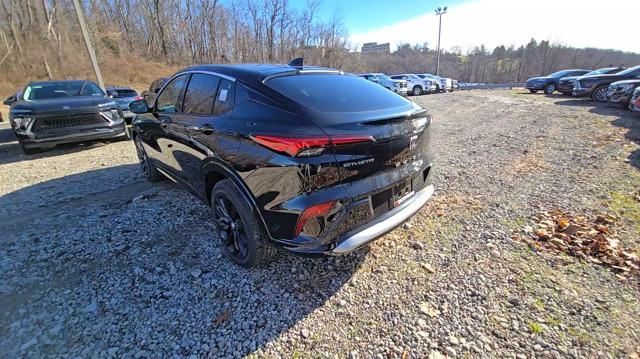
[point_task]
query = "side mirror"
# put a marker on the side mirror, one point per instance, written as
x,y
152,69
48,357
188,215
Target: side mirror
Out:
x,y
10,100
139,106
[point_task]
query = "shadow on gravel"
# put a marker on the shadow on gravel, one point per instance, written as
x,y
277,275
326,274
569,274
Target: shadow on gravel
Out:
x,y
117,252
11,151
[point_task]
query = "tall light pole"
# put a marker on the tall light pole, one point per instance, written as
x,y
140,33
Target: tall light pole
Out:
x,y
87,41
439,12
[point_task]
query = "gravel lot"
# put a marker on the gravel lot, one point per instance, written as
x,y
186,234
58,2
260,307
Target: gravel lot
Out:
x,y
95,262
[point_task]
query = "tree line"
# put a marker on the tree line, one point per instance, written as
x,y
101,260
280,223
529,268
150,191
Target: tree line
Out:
x,y
136,40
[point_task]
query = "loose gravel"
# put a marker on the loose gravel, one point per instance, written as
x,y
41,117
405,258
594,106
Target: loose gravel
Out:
x,y
96,262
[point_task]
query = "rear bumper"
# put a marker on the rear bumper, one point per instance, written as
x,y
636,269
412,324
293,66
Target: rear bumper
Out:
x,y
366,233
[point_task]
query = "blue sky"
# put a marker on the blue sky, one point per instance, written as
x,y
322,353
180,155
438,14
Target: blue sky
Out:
x,y
367,15
468,23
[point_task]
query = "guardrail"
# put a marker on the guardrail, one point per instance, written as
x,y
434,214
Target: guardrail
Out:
x,y
482,86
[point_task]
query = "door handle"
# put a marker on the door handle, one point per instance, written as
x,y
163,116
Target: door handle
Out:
x,y
207,129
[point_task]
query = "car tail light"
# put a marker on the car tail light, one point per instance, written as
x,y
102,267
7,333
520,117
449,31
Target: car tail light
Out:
x,y
319,210
306,146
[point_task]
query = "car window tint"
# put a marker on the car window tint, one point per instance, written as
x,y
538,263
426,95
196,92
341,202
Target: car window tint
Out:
x,y
200,94
225,97
336,93
91,89
168,100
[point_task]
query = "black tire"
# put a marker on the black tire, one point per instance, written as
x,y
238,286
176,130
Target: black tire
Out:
x,y
533,91
148,169
416,91
600,93
30,150
549,89
237,227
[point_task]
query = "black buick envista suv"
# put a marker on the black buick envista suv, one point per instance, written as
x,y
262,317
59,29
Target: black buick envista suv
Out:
x,y
309,159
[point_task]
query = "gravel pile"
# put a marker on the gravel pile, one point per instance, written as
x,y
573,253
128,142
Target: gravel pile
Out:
x,y
94,261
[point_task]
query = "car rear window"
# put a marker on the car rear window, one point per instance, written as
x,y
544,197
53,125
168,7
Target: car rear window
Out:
x,y
336,93
125,93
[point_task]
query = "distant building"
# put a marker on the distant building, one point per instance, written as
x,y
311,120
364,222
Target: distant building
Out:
x,y
375,48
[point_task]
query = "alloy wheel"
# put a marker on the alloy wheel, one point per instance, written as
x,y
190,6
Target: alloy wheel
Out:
x,y
231,229
601,94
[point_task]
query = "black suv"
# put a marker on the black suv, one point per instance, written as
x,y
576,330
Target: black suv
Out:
x,y
596,86
310,159
550,83
566,84
48,113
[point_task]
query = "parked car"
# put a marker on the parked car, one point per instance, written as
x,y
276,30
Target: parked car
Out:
x,y
441,83
549,83
397,86
634,104
416,85
621,91
566,84
48,113
150,94
596,86
309,159
123,96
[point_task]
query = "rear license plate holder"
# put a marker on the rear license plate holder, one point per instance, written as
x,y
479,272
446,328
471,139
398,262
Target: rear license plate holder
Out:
x,y
401,193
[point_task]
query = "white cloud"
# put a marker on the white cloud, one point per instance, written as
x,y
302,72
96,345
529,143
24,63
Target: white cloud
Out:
x,y
580,23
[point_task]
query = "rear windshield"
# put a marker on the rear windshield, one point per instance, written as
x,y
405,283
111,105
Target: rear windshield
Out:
x,y
124,93
336,93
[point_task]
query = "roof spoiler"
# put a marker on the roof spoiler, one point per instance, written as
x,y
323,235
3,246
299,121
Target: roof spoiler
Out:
x,y
297,62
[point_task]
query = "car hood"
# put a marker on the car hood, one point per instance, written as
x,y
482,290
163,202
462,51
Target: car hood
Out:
x,y
64,104
626,82
539,78
599,77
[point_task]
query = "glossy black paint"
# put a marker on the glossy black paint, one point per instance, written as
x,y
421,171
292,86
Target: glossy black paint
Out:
x,y
539,83
566,84
199,150
586,85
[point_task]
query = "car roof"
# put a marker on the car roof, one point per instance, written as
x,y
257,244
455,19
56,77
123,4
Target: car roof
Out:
x,y
56,82
253,74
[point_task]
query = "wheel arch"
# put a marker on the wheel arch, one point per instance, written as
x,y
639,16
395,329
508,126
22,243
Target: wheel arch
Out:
x,y
215,171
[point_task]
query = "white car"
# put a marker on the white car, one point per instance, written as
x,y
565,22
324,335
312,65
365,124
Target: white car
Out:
x,y
444,84
397,86
416,85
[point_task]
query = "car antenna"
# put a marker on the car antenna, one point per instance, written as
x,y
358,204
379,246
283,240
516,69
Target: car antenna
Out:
x,y
297,62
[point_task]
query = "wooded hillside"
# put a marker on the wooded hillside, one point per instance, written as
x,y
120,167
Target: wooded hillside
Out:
x,y
139,40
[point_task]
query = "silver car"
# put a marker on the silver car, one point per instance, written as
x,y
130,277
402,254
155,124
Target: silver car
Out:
x,y
123,97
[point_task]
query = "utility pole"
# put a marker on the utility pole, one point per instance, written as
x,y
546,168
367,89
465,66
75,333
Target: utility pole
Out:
x,y
439,12
87,41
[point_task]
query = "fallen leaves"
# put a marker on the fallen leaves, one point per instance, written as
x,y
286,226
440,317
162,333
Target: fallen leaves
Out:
x,y
591,239
222,317
450,203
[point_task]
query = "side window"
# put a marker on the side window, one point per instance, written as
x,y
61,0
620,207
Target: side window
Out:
x,y
225,97
169,98
200,94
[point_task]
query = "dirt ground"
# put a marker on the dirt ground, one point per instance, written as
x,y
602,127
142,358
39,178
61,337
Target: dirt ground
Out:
x,y
94,261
